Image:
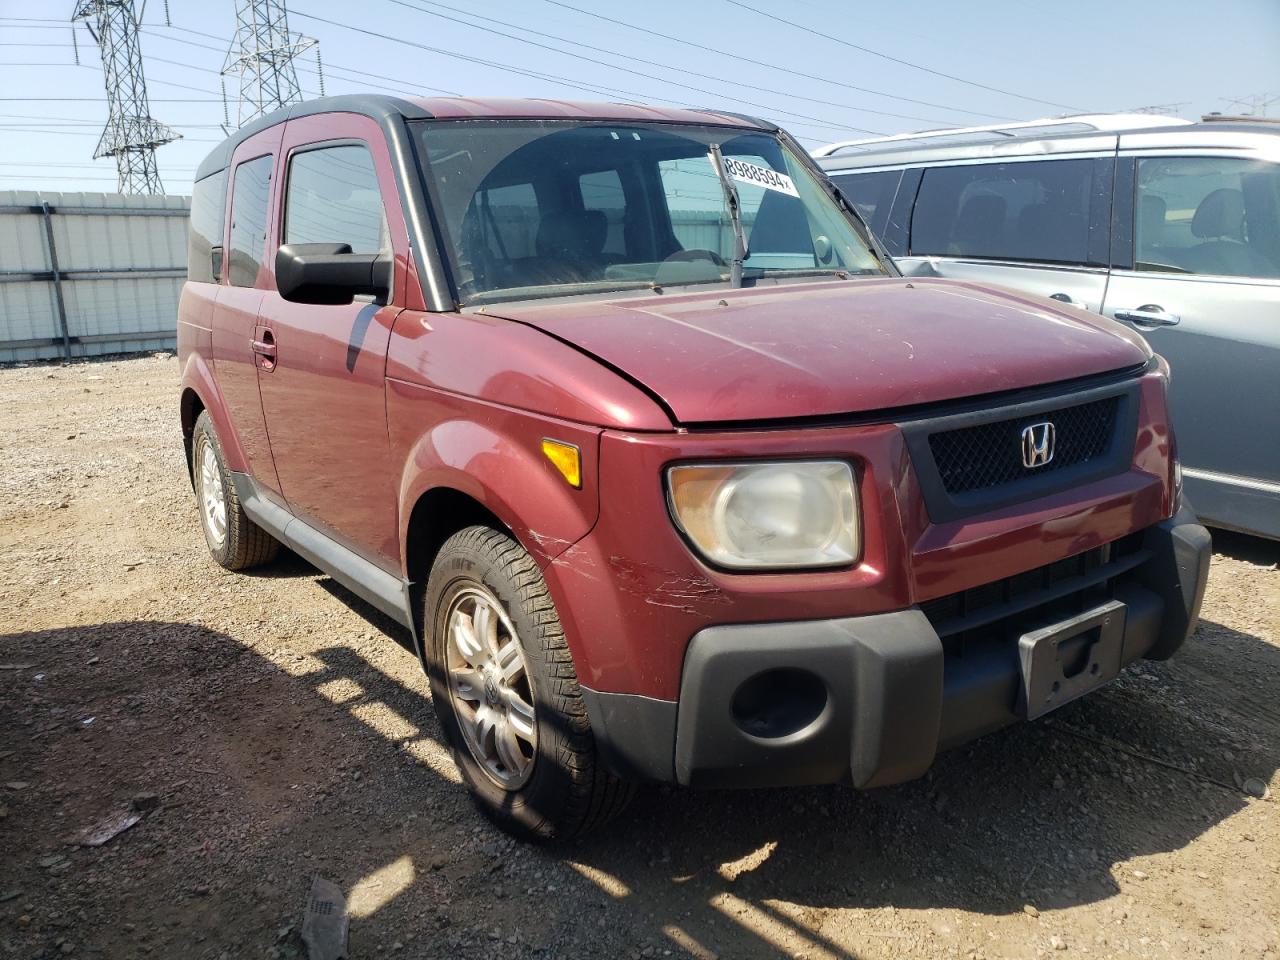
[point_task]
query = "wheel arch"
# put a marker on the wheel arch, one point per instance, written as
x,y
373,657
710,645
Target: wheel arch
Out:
x,y
200,394
437,515
190,407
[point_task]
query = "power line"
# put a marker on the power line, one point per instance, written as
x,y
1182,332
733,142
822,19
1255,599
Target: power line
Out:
x,y
41,164
892,59
637,73
93,123
402,84
507,68
100,99
623,56
771,66
45,131
24,177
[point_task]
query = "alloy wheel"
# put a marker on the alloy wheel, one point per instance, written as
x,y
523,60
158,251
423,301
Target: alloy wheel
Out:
x,y
489,687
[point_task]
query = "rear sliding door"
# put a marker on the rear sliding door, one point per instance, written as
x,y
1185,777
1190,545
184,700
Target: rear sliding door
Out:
x,y
1036,225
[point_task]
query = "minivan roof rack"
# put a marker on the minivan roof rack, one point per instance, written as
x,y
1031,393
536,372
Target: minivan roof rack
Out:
x,y
1237,118
1084,122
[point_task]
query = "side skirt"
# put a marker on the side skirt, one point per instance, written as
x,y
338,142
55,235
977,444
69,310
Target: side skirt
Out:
x,y
371,583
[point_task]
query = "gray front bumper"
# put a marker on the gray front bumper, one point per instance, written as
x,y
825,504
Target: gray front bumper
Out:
x,y
869,699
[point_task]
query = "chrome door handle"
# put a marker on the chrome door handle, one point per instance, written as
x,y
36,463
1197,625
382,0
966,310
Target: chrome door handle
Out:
x,y
1149,315
1066,298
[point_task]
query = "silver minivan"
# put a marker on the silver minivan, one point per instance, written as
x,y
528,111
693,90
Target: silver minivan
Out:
x,y
1168,226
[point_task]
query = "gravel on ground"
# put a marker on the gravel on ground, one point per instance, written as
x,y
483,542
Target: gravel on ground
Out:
x,y
269,728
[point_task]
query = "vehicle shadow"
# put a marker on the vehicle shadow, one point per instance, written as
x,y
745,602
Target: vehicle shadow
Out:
x,y
1243,546
272,768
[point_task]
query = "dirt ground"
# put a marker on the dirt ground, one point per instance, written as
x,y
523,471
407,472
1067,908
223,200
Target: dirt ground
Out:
x,y
281,732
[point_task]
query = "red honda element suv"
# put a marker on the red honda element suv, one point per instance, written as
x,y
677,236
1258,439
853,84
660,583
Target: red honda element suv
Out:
x,y
624,415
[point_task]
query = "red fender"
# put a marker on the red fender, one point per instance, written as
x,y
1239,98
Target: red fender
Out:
x,y
493,455
198,377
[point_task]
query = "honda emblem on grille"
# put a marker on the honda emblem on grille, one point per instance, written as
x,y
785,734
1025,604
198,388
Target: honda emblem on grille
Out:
x,y
1037,444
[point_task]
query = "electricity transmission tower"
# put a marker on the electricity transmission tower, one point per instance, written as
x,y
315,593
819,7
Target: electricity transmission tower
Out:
x,y
131,134
1255,105
1162,109
262,54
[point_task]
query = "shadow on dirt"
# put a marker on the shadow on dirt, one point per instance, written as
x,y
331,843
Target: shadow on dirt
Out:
x,y
271,771
1242,546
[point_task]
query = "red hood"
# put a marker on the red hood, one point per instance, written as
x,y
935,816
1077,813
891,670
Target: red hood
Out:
x,y
850,346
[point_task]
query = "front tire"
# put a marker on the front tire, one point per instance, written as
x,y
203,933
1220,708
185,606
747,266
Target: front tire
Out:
x,y
506,692
235,541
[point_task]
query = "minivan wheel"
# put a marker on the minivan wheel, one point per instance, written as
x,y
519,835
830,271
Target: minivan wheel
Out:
x,y
235,541
506,692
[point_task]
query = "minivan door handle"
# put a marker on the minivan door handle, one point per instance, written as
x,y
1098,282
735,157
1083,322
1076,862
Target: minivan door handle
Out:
x,y
1066,298
264,348
1149,315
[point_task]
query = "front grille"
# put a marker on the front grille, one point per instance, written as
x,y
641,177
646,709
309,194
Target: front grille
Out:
x,y
1009,607
990,454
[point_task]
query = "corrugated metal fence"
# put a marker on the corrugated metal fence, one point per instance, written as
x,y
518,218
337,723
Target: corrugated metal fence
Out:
x,y
83,274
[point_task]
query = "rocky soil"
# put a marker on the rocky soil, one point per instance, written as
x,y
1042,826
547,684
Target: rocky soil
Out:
x,y
269,728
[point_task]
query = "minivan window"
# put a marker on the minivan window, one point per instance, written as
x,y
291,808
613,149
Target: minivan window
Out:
x,y
1217,216
208,213
249,195
333,197
625,206
868,192
1034,210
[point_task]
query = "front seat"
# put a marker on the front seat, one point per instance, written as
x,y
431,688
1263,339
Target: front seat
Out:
x,y
1220,221
575,236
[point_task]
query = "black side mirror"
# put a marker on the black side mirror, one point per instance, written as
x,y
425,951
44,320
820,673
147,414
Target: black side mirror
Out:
x,y
329,273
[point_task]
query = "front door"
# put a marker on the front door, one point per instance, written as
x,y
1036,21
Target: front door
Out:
x,y
324,391
1203,286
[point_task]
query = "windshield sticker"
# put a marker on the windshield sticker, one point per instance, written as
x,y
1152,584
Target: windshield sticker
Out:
x,y
759,176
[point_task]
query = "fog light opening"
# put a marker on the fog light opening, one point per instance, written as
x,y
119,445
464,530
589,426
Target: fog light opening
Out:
x,y
778,703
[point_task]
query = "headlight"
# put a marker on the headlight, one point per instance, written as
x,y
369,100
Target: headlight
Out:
x,y
768,515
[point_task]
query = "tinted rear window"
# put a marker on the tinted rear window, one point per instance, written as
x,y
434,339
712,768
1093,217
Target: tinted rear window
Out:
x,y
249,198
1037,210
208,205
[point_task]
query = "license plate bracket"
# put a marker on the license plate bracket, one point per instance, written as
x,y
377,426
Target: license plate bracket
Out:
x,y
1068,659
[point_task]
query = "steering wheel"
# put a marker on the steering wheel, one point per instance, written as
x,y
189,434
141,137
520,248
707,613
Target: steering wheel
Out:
x,y
686,256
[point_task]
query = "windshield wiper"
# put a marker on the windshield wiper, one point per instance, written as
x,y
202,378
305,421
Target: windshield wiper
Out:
x,y
735,217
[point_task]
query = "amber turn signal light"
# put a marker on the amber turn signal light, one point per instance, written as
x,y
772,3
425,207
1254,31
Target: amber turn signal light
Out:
x,y
565,458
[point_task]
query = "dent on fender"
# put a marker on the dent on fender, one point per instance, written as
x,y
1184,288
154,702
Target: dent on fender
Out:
x,y
650,582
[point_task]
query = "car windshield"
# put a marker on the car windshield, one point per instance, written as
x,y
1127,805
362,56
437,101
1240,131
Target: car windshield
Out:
x,y
549,208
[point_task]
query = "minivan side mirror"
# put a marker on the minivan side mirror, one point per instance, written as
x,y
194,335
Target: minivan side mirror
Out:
x,y
329,273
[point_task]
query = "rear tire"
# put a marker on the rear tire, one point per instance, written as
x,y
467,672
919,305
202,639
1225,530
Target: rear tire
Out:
x,y
235,541
494,647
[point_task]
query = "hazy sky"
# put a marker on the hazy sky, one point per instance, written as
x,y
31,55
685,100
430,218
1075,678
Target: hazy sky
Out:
x,y
1088,55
